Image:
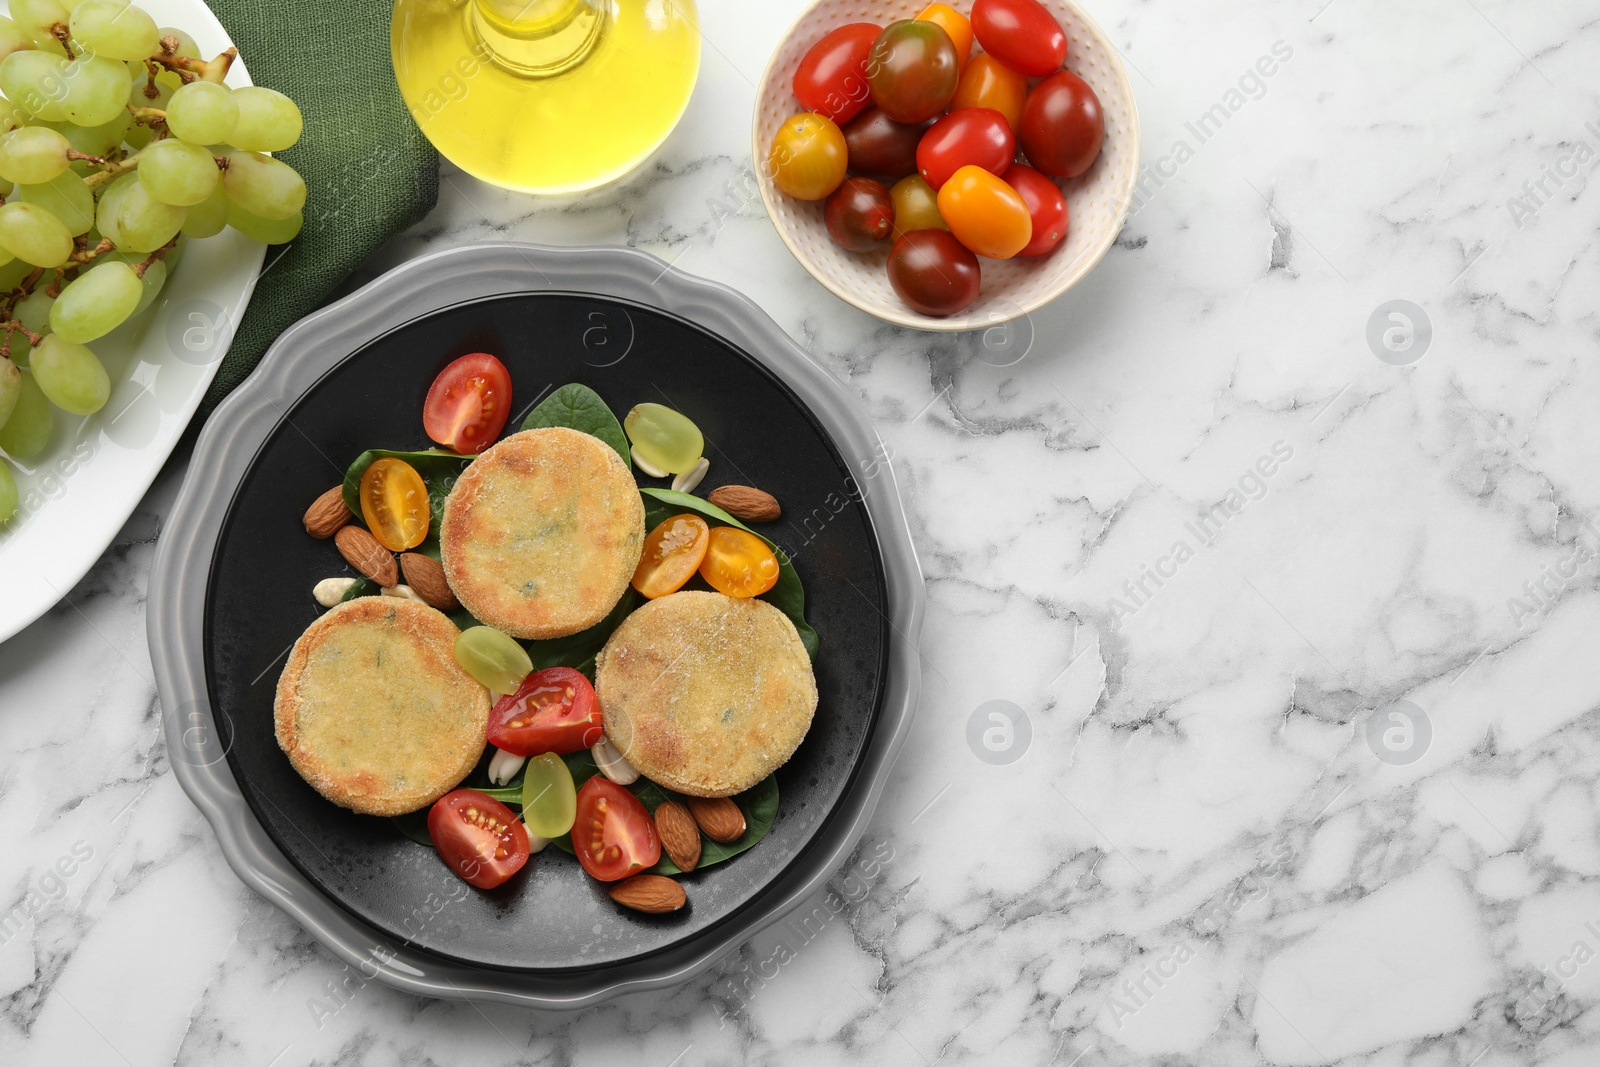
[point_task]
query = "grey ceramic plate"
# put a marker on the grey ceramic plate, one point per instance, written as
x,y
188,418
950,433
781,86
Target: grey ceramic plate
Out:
x,y
427,945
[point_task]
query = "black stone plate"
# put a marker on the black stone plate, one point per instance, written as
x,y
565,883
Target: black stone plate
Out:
x,y
551,916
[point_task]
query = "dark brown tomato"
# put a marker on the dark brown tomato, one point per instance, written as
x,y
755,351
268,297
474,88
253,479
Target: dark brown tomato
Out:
x,y
859,215
882,148
933,272
913,70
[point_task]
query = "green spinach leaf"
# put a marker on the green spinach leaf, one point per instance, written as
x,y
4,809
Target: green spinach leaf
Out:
x,y
578,407
788,596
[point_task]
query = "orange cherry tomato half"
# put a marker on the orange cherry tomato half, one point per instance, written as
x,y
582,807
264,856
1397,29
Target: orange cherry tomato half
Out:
x,y
394,503
613,835
477,837
468,403
1046,206
672,553
738,563
989,83
985,214
955,24
808,156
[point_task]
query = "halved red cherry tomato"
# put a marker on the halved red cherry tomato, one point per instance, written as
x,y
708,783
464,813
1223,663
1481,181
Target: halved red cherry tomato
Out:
x,y
738,563
956,25
614,836
477,837
553,710
985,214
1046,206
468,404
1022,34
979,136
912,70
832,78
672,553
989,83
1062,125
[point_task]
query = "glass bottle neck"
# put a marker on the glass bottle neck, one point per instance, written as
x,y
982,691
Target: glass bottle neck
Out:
x,y
539,38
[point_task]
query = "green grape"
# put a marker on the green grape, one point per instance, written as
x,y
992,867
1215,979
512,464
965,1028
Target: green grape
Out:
x,y
268,120
493,658
204,113
96,302
167,83
33,311
31,232
664,438
36,82
110,203
8,493
71,376
6,258
27,432
267,231
178,173
12,273
549,799
10,386
97,89
186,45
13,38
67,197
155,277
140,222
115,30
263,186
37,17
209,216
33,154
99,140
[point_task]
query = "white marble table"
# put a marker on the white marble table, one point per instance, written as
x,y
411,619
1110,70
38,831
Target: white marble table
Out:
x,y
1301,626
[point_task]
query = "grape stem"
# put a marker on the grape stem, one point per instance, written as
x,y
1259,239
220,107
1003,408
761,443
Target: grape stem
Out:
x,y
111,171
85,254
143,265
15,326
191,69
61,33
73,153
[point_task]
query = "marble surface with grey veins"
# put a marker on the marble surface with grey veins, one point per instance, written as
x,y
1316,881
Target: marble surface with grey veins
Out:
x,y
1259,670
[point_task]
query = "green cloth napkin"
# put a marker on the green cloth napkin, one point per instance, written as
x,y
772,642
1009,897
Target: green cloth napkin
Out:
x,y
369,171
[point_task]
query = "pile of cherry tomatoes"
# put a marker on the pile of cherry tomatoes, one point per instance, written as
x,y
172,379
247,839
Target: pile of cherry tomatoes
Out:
x,y
910,106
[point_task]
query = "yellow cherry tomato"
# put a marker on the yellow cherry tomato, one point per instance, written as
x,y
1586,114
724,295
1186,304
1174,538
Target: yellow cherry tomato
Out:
x,y
672,553
738,563
985,214
988,83
916,207
955,24
394,503
808,156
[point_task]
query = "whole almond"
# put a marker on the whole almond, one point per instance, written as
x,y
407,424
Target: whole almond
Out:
x,y
426,576
327,514
747,503
719,817
653,893
680,835
362,551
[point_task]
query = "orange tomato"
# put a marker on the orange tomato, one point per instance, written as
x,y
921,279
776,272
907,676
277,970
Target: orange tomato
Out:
x,y
394,503
987,83
955,24
808,156
672,553
739,563
985,214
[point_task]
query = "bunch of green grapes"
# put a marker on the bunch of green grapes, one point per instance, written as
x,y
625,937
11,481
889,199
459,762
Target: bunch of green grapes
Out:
x,y
118,142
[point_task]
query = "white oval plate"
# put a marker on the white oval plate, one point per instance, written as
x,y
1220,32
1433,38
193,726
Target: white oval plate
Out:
x,y
77,493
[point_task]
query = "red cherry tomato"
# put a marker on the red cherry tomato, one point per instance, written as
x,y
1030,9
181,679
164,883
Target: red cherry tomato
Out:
x,y
468,404
859,215
913,70
1062,126
882,148
553,710
614,836
1022,34
477,837
1046,206
933,272
979,136
832,78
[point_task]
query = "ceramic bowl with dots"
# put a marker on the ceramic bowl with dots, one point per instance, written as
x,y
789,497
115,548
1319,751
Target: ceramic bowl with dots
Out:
x,y
1097,201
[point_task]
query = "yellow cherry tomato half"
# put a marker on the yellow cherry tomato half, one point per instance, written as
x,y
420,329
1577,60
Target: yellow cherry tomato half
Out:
x,y
988,83
672,553
738,563
955,24
985,214
808,156
394,503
